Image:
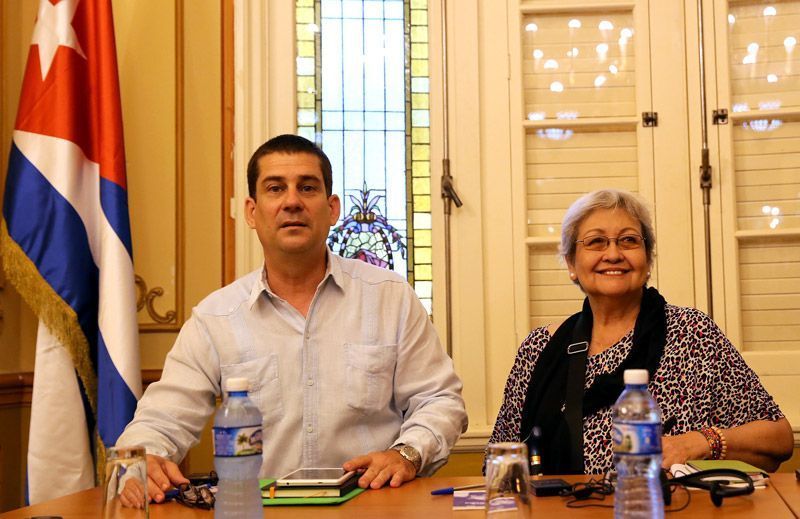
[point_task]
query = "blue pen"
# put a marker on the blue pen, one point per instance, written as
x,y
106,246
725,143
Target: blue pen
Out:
x,y
450,490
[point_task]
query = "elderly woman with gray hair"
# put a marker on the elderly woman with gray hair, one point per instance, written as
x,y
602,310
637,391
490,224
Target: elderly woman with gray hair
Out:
x,y
713,404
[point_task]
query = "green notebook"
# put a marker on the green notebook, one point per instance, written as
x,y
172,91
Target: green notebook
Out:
x,y
305,501
725,464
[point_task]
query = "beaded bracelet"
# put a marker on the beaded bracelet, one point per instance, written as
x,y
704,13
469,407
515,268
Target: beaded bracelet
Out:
x,y
724,441
716,442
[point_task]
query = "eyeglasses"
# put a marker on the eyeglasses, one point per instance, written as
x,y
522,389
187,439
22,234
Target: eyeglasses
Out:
x,y
600,243
196,496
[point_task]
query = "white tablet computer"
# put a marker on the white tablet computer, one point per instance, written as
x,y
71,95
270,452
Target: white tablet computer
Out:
x,y
325,477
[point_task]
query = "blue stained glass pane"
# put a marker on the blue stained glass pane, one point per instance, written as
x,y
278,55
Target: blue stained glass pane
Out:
x,y
373,120
375,162
331,8
420,85
393,9
351,8
353,66
374,65
373,9
354,160
396,175
395,66
332,120
305,66
334,149
354,120
420,118
396,121
331,64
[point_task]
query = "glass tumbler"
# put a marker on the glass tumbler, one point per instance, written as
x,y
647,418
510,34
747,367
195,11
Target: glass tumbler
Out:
x,y
125,483
508,480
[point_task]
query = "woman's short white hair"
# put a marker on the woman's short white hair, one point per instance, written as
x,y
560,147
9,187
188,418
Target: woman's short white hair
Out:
x,y
606,199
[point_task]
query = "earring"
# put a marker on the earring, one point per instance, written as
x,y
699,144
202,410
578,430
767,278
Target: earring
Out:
x,y
572,275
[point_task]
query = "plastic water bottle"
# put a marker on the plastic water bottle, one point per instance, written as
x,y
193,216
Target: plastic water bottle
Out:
x,y
237,454
636,421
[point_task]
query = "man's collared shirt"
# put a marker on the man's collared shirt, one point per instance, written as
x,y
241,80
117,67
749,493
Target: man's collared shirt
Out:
x,y
363,372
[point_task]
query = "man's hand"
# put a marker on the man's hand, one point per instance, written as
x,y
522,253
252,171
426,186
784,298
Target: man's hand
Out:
x,y
382,466
683,447
161,475
132,495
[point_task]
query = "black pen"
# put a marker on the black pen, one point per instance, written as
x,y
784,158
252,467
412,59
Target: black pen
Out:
x,y
449,490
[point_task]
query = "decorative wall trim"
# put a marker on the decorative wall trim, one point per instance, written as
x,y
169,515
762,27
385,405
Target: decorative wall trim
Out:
x,y
16,388
173,319
146,299
228,218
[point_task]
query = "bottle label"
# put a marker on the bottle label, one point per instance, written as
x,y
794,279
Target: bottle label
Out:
x,y
636,438
237,441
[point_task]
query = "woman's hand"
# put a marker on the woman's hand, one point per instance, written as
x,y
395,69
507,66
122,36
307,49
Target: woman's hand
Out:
x,y
683,447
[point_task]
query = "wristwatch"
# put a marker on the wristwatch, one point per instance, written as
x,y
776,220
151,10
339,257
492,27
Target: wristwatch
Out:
x,y
411,454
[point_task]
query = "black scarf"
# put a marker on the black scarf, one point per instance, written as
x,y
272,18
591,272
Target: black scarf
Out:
x,y
547,389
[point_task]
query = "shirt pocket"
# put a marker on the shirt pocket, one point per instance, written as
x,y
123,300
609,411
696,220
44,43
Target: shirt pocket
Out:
x,y
370,375
264,382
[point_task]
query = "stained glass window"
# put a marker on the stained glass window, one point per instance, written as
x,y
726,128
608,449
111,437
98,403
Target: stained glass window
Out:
x,y
363,95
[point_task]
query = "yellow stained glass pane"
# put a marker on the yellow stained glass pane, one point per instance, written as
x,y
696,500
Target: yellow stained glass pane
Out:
x,y
420,152
422,272
419,67
422,238
419,50
419,34
422,255
305,84
304,33
304,15
419,4
420,168
422,203
419,17
421,186
305,100
419,101
420,135
305,49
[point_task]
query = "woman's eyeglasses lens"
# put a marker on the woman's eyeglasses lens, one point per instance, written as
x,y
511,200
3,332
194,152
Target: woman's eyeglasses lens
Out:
x,y
625,242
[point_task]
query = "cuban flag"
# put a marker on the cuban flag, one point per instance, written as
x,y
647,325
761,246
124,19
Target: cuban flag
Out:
x,y
66,245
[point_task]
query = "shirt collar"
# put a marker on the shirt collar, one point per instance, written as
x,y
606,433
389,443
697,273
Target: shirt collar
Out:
x,y
333,271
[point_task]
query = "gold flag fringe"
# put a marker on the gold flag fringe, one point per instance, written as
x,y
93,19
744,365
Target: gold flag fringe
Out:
x,y
55,313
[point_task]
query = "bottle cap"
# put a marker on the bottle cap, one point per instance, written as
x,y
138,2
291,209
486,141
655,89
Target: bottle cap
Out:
x,y
638,377
240,384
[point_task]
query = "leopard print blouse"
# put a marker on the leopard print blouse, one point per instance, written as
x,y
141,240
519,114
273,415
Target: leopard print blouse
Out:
x,y
702,380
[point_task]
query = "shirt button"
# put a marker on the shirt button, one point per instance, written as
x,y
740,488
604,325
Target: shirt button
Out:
x,y
310,382
310,429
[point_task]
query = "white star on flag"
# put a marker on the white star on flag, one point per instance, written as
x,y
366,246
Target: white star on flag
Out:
x,y
53,29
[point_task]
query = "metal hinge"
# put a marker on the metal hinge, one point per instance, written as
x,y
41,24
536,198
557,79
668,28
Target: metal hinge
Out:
x,y
720,116
649,119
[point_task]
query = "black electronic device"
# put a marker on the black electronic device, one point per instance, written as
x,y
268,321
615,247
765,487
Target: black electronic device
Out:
x,y
549,487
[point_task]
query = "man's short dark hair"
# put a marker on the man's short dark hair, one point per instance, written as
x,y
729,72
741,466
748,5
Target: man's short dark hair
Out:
x,y
289,144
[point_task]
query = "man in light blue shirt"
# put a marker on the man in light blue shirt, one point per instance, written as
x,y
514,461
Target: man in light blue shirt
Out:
x,y
342,359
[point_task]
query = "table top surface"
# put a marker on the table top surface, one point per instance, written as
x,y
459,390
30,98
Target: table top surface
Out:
x,y
780,499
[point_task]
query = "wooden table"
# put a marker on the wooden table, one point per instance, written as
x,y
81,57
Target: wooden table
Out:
x,y
788,487
413,500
